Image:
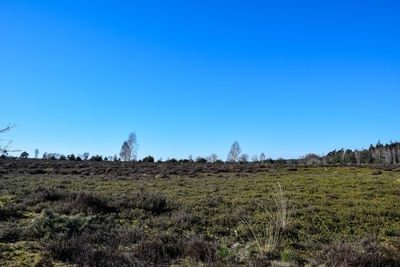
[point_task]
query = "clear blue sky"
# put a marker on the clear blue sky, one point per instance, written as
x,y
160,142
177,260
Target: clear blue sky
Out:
x,y
191,77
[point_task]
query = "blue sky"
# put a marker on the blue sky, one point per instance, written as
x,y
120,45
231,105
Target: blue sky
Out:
x,y
191,77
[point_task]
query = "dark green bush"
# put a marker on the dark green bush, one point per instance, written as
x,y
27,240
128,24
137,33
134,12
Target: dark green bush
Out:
x,y
148,159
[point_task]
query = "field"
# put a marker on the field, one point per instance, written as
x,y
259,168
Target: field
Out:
x,y
141,214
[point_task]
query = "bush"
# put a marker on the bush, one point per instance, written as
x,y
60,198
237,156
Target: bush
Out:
x,y
365,252
148,159
88,202
24,155
160,249
41,194
49,224
200,250
9,232
201,160
96,158
9,212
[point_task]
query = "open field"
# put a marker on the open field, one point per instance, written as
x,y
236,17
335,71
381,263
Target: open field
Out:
x,y
124,214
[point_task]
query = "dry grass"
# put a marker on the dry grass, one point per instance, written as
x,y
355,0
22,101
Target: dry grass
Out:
x,y
277,214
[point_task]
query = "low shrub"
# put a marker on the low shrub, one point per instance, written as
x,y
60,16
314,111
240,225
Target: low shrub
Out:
x,y
42,194
200,250
88,202
9,232
364,252
153,202
160,249
49,224
10,212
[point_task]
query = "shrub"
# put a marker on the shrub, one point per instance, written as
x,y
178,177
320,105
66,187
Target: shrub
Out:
x,y
49,224
153,202
9,211
148,159
364,252
24,155
96,158
88,202
200,250
9,232
160,249
127,236
201,160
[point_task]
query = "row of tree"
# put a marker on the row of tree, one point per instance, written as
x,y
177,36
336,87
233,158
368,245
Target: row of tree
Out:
x,y
375,154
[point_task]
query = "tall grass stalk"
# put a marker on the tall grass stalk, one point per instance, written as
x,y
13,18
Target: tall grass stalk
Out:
x,y
277,218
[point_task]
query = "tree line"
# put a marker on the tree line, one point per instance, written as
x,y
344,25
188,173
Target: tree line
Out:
x,y
375,154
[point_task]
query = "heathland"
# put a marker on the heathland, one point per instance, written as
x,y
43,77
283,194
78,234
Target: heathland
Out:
x,y
140,214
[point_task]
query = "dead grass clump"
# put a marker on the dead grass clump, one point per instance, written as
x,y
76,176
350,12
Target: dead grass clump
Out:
x,y
277,216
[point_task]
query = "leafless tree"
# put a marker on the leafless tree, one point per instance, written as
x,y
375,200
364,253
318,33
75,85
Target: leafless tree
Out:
x,y
262,157
86,155
234,153
36,152
244,158
5,148
129,148
254,158
124,154
212,158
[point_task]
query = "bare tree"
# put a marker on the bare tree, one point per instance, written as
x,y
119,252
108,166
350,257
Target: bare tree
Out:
x,y
129,148
234,153
133,146
244,158
36,152
5,149
86,155
124,154
212,158
254,158
262,157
